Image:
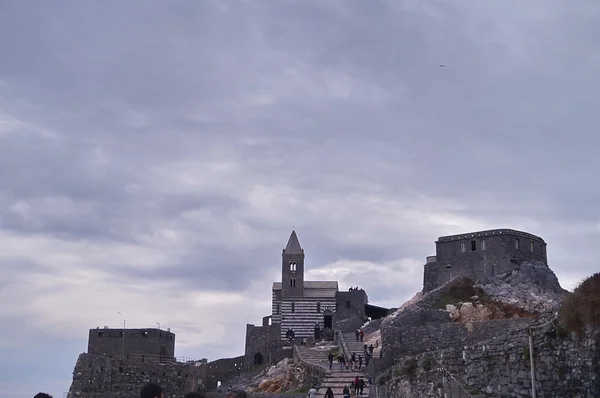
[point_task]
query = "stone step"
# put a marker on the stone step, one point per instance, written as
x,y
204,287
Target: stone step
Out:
x,y
339,391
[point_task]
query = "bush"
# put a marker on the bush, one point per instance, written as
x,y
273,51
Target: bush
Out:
x,y
460,291
428,364
408,368
582,307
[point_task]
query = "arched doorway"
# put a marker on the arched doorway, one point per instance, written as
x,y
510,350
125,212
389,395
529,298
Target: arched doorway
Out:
x,y
258,358
290,335
327,320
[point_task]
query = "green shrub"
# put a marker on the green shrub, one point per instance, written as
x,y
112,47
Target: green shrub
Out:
x,y
460,291
582,307
428,364
407,368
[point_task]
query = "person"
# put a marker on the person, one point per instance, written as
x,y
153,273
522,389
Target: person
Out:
x,y
346,392
329,393
151,390
193,394
361,386
357,334
355,384
236,394
42,395
312,393
330,358
360,362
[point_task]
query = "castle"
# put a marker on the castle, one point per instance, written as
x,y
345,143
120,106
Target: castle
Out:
x,y
481,254
118,361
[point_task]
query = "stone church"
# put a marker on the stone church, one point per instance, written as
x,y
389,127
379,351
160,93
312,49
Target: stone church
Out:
x,y
303,309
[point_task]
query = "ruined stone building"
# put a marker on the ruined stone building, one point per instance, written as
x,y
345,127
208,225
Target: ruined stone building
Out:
x,y
481,254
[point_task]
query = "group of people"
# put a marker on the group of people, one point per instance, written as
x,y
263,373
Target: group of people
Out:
x,y
356,388
356,361
152,390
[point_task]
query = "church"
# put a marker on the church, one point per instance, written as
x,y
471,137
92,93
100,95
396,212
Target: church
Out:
x,y
302,309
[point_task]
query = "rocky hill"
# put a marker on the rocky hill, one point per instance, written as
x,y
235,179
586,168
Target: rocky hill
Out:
x,y
475,334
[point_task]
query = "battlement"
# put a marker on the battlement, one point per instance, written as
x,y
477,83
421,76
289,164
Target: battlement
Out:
x,y
481,254
488,233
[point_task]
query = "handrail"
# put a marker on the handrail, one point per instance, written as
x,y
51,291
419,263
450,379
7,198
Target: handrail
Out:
x,y
451,376
342,343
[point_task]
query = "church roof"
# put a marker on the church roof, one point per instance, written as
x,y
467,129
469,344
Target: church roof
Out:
x,y
312,285
293,245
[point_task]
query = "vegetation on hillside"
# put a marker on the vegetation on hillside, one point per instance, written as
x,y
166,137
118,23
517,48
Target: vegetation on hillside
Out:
x,y
460,291
582,307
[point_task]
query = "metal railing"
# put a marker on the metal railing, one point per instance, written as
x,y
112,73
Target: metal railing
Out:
x,y
452,377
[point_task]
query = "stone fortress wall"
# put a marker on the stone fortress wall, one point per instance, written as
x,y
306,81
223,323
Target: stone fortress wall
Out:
x,y
501,367
105,372
481,254
152,343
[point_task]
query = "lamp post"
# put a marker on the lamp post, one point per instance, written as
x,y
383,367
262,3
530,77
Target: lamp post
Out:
x,y
123,346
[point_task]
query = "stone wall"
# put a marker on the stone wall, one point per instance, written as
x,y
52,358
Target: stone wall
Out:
x,y
313,374
152,342
103,377
223,369
350,310
565,366
419,329
263,345
499,254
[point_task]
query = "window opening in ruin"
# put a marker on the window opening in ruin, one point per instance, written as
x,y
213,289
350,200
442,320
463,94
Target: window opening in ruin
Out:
x,y
121,334
100,334
145,333
531,246
293,266
258,358
218,383
473,245
318,306
482,244
293,306
463,247
516,243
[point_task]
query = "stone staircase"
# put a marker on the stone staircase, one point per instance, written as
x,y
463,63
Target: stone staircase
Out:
x,y
358,347
335,378
317,355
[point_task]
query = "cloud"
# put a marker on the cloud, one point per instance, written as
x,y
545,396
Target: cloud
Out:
x,y
154,159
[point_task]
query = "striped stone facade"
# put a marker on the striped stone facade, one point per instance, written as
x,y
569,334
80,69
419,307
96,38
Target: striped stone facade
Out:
x,y
302,313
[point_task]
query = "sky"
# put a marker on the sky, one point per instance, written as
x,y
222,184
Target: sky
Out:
x,y
155,156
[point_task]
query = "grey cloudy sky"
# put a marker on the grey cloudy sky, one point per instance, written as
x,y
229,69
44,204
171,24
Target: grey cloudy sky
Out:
x,y
154,156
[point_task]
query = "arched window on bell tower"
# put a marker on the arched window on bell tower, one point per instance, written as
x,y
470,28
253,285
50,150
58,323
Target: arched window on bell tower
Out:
x,y
293,266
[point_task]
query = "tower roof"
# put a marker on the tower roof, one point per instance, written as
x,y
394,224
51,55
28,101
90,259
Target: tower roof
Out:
x,y
293,245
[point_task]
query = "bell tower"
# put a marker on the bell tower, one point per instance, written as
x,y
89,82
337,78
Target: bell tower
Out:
x,y
292,269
